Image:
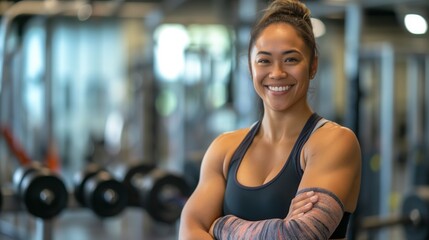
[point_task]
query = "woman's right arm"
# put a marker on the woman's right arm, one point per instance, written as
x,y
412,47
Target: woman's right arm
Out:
x,y
205,204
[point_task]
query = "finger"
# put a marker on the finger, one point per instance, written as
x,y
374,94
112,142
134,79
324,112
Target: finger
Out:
x,y
303,206
299,201
307,207
303,209
303,196
303,199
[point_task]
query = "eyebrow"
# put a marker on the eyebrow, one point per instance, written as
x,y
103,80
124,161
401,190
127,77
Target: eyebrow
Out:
x,y
283,53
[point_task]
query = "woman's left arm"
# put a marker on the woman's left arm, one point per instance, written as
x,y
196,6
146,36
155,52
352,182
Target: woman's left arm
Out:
x,y
332,169
332,161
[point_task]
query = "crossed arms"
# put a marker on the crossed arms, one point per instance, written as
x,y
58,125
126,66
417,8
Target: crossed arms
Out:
x,y
333,176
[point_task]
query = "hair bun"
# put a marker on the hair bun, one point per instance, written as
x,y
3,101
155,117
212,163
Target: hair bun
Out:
x,y
293,8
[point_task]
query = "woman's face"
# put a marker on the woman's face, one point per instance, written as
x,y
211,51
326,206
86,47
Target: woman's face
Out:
x,y
281,68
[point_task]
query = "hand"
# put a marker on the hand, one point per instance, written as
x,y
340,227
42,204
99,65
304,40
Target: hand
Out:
x,y
301,204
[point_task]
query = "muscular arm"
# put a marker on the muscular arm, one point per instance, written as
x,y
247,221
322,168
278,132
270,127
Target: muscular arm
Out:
x,y
318,223
204,205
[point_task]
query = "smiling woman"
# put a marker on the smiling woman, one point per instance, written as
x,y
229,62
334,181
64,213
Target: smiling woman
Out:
x,y
278,179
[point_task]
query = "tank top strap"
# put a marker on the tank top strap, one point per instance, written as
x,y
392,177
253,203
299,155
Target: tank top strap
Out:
x,y
314,122
245,144
305,134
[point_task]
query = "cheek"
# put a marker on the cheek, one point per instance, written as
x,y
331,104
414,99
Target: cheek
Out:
x,y
257,78
257,73
302,72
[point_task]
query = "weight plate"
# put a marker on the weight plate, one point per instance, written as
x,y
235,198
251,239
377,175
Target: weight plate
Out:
x,y
20,173
80,180
139,170
44,196
106,196
165,198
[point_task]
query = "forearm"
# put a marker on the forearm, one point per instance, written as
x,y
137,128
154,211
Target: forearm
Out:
x,y
319,223
191,229
195,234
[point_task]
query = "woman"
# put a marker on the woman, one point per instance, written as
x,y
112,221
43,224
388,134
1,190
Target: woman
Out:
x,y
249,188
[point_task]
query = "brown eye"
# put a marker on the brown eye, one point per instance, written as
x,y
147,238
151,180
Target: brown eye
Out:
x,y
291,60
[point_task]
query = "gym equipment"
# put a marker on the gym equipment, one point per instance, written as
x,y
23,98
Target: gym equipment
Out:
x,y
96,189
416,206
14,146
414,217
161,193
42,192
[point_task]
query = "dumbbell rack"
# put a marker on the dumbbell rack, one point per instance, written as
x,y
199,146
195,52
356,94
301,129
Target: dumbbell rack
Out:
x,y
44,228
138,194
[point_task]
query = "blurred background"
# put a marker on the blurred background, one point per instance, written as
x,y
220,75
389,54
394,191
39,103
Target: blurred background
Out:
x,y
122,83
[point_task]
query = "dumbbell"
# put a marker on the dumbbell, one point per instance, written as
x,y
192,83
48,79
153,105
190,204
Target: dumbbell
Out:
x,y
41,191
97,189
161,193
414,217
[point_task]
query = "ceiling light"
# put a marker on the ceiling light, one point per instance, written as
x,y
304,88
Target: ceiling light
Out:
x,y
319,28
415,24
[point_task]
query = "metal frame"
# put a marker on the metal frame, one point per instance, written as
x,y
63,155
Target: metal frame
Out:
x,y
387,120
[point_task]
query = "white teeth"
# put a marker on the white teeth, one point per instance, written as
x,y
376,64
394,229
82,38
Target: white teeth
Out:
x,y
279,88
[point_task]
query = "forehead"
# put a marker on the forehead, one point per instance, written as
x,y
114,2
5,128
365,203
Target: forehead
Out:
x,y
280,36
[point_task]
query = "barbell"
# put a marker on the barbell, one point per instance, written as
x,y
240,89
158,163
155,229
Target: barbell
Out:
x,y
41,191
414,216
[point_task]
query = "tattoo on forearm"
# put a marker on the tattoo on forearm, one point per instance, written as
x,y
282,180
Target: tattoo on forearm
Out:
x,y
318,223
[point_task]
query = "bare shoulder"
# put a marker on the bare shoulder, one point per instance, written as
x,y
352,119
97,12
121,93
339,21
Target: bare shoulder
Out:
x,y
335,142
224,145
334,135
227,140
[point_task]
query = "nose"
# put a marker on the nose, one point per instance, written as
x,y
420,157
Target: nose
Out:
x,y
277,72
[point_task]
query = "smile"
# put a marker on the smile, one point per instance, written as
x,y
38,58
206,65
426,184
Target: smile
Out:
x,y
279,88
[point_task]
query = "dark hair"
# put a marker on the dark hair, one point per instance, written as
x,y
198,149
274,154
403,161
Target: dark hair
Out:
x,y
292,12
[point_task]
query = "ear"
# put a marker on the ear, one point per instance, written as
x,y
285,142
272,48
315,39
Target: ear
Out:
x,y
313,67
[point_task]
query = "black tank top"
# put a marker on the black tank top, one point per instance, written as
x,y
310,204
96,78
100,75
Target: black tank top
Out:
x,y
272,199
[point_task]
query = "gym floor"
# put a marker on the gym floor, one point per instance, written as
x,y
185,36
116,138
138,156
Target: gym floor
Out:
x,y
82,224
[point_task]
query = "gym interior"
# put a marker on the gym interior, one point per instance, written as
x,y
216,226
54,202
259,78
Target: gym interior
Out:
x,y
107,107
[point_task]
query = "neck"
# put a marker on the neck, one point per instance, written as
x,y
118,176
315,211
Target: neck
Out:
x,y
277,126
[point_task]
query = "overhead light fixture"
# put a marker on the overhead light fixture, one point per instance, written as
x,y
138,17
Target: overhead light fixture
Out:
x,y
319,28
415,24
